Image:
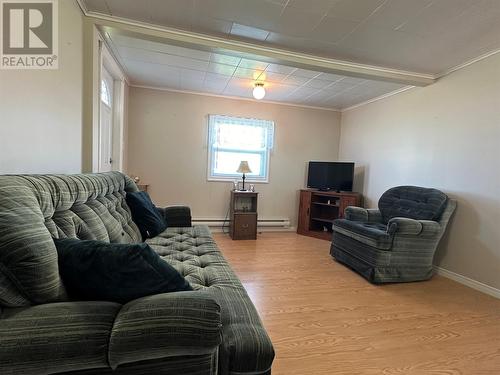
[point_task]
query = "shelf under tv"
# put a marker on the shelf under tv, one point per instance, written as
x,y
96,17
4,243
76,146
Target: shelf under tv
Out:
x,y
318,210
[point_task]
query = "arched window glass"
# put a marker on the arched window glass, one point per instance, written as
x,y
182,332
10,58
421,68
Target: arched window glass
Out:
x,y
105,97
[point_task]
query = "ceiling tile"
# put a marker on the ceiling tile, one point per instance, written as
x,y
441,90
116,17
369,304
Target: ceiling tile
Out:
x,y
192,75
295,80
354,10
397,12
178,61
171,12
305,73
330,77
249,32
97,6
295,22
132,9
332,29
239,87
434,19
253,64
272,77
252,74
217,77
225,59
227,70
256,13
179,51
275,68
316,6
318,83
215,26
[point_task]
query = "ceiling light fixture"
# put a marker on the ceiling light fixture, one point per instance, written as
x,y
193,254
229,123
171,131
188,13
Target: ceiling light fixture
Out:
x,y
259,91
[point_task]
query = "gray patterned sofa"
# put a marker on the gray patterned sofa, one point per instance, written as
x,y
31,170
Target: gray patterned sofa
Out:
x,y
214,329
397,242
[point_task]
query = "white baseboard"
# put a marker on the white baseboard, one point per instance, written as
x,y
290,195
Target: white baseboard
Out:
x,y
494,292
259,229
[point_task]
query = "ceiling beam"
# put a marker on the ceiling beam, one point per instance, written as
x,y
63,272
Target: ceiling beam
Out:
x,y
280,56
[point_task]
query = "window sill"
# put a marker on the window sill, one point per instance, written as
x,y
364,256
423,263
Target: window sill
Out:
x,y
247,180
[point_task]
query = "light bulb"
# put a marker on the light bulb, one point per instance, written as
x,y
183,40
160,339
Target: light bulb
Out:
x,y
259,91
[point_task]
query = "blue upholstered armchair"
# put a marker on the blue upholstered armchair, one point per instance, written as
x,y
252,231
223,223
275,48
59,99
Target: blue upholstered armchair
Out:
x,y
397,242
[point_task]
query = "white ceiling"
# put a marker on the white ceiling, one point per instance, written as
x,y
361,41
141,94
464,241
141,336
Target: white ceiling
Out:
x,y
426,36
160,65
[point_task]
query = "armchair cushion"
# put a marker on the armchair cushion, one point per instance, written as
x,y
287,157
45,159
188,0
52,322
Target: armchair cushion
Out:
x,y
165,325
372,234
362,214
412,202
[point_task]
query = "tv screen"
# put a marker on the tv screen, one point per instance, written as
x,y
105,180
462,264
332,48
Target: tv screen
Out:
x,y
325,175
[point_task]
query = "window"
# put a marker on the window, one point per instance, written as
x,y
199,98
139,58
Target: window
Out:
x,y
105,95
233,139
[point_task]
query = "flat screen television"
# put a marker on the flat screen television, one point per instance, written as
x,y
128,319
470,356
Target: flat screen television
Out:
x,y
326,175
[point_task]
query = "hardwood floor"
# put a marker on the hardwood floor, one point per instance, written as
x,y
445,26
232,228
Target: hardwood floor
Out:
x,y
325,319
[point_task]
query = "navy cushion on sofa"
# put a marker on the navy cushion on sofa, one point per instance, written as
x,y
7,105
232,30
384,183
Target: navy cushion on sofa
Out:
x,y
145,214
95,270
412,202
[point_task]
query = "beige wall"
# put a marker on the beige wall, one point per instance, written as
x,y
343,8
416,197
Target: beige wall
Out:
x,y
445,136
41,110
168,149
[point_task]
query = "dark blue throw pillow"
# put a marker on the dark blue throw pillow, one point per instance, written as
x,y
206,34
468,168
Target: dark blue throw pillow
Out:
x,y
95,270
145,214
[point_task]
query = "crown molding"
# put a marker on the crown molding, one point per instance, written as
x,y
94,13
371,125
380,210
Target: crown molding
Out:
x,y
398,91
235,98
466,64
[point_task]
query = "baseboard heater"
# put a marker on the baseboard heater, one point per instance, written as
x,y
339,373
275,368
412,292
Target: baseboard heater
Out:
x,y
262,224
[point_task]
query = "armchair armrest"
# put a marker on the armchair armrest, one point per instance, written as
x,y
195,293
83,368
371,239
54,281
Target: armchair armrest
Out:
x,y
164,325
411,227
362,214
176,216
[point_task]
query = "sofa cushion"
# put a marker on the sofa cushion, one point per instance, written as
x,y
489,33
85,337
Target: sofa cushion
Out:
x,y
246,347
372,234
145,215
35,208
412,202
56,337
95,270
176,324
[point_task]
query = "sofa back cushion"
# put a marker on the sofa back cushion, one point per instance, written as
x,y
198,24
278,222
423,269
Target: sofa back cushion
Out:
x,y
36,208
412,202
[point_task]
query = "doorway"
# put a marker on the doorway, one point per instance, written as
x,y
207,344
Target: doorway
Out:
x,y
111,117
106,122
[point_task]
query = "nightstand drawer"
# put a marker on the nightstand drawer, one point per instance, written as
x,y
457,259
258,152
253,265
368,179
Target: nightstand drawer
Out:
x,y
245,226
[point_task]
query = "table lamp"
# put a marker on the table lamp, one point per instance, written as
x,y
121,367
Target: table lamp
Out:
x,y
244,168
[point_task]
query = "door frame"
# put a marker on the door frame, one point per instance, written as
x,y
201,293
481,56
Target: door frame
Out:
x,y
105,58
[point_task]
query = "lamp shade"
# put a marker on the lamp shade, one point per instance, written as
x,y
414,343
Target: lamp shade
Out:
x,y
244,168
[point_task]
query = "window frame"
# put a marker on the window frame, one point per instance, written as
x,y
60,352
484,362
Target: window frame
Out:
x,y
265,160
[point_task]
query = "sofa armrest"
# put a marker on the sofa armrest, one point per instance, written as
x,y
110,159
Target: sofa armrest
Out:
x,y
56,337
165,325
410,227
370,215
176,216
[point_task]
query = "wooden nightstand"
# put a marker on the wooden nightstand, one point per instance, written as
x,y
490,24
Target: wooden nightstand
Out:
x,y
243,215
